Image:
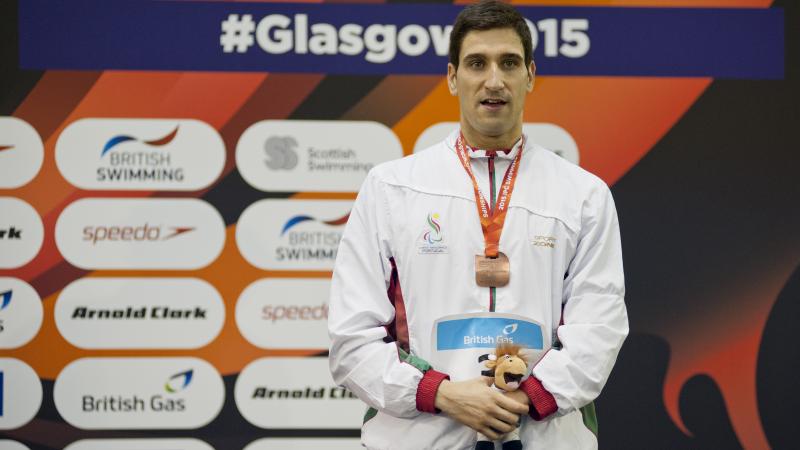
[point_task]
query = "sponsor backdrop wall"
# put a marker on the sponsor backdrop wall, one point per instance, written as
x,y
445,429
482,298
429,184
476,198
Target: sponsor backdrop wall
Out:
x,y
175,178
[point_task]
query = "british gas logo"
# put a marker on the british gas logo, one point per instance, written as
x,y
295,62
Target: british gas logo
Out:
x,y
313,155
139,313
5,299
21,152
287,235
132,393
21,312
134,233
140,154
486,331
179,381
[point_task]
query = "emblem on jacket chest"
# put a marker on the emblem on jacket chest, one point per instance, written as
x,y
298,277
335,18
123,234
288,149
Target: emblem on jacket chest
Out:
x,y
431,240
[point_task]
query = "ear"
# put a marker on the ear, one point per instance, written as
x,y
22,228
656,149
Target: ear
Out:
x,y
451,79
531,75
491,364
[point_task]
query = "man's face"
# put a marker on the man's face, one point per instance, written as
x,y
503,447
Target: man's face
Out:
x,y
491,82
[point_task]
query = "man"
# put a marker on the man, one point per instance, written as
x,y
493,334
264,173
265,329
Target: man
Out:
x,y
483,238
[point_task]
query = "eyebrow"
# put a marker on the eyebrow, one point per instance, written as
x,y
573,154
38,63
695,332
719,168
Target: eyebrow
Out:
x,y
472,56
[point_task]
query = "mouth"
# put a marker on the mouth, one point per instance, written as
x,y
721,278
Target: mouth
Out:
x,y
493,103
512,378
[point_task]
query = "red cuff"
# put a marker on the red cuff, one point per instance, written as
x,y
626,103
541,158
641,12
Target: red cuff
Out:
x,y
542,402
426,390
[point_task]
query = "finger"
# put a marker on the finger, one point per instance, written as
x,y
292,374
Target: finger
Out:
x,y
511,405
490,433
500,426
505,416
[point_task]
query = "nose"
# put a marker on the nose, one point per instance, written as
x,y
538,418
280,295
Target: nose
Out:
x,y
494,82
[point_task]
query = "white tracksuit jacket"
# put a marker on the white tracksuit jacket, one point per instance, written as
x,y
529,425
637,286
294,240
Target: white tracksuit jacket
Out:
x,y
562,238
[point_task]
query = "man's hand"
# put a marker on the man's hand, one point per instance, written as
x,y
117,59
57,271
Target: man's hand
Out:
x,y
480,407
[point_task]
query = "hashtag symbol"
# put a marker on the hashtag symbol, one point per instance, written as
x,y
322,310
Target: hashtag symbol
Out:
x,y
237,33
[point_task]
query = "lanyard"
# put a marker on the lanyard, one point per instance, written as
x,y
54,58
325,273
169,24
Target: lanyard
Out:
x,y
492,219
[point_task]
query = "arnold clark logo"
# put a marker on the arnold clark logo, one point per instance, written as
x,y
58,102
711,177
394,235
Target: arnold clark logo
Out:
x,y
21,233
138,444
319,156
548,135
20,312
140,154
133,233
270,401
277,234
21,152
285,313
139,313
131,393
20,393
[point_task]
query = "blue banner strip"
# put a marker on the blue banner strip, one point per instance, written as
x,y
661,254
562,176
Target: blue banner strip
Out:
x,y
390,38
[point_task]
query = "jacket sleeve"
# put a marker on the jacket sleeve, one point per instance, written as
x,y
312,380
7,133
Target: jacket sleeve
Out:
x,y
360,310
594,319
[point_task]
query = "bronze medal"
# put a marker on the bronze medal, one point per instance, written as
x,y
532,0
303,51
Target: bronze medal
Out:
x,y
492,272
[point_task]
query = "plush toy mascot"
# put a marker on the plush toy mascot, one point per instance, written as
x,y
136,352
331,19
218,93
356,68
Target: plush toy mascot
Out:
x,y
508,365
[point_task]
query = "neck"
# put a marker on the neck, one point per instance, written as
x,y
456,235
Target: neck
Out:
x,y
479,141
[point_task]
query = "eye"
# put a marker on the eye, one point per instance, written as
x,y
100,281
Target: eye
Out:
x,y
476,64
510,63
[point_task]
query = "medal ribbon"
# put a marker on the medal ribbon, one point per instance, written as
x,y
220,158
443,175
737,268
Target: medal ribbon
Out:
x,y
492,220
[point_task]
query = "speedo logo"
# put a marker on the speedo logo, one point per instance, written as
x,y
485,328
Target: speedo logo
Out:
x,y
285,313
140,154
21,152
145,232
165,234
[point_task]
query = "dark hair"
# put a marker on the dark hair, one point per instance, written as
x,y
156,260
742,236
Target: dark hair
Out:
x,y
488,15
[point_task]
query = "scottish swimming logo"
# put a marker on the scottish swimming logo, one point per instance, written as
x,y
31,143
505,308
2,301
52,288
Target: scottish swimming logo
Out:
x,y
432,238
